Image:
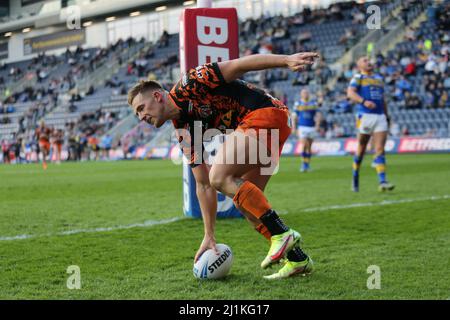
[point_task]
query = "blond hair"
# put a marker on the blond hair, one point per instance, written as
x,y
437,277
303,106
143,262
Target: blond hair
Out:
x,y
142,87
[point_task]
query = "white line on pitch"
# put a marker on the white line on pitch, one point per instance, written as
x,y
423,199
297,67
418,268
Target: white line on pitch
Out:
x,y
151,223
373,204
145,224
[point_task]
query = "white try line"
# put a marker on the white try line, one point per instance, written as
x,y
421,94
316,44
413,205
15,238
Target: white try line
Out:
x,y
373,204
145,224
151,223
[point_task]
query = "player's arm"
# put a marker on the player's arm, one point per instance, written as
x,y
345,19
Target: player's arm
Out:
x,y
294,119
386,111
206,194
294,122
207,197
234,69
352,94
317,120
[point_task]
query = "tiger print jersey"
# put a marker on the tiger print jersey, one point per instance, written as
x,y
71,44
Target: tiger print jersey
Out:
x,y
203,95
43,133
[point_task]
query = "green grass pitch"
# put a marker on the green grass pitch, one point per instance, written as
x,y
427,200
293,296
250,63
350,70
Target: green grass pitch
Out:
x,y
408,236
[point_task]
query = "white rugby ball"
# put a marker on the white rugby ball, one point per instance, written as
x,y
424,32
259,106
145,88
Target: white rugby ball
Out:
x,y
213,266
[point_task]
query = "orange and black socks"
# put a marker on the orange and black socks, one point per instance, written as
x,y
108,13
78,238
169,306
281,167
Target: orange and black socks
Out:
x,y
273,222
252,199
262,229
296,255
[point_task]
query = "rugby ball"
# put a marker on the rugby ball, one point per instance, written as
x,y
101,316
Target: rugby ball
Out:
x,y
214,266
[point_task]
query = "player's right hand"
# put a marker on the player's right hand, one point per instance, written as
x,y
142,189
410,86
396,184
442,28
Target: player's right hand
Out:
x,y
209,242
370,104
300,61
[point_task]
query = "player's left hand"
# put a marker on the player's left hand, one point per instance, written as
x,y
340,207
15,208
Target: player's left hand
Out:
x,y
300,61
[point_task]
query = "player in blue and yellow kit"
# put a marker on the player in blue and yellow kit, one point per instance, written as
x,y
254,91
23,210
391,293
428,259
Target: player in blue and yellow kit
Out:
x,y
367,90
307,117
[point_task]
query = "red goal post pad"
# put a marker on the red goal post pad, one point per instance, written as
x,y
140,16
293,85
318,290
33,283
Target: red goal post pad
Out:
x,y
208,35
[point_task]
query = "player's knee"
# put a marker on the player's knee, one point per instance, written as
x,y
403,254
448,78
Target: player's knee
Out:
x,y
218,180
363,141
215,179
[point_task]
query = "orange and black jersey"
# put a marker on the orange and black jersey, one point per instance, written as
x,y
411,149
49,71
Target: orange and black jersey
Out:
x,y
203,95
43,133
58,136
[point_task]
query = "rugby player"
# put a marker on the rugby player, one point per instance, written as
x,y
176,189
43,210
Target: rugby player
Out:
x,y
307,117
372,120
58,140
212,96
43,136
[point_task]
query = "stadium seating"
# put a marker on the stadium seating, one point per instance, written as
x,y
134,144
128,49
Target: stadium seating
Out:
x,y
426,120
136,59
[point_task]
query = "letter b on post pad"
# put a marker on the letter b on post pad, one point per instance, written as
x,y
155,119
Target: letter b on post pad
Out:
x,y
208,35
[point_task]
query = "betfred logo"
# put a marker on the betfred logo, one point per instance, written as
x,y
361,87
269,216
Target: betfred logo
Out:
x,y
421,145
351,145
208,35
327,147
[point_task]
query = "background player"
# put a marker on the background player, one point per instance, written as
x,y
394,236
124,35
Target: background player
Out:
x,y
307,118
58,140
367,90
43,136
213,95
5,149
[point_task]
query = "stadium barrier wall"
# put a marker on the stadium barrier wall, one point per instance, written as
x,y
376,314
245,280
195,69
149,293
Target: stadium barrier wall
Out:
x,y
329,147
292,147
